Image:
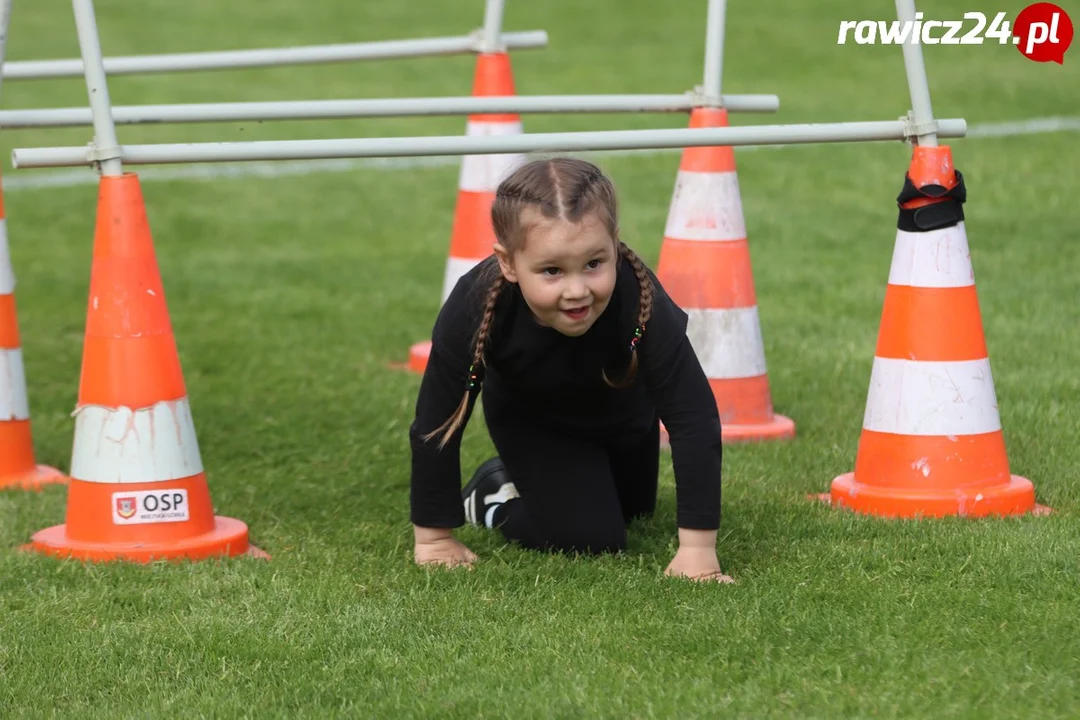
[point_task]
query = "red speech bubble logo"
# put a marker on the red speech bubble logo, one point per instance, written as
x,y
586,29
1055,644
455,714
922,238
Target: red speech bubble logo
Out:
x,y
1043,32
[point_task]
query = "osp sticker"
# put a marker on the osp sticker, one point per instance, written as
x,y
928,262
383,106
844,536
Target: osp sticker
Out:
x,y
150,506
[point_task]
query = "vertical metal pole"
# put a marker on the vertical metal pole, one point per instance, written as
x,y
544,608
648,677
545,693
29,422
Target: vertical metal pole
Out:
x,y
714,52
493,22
918,85
5,26
97,87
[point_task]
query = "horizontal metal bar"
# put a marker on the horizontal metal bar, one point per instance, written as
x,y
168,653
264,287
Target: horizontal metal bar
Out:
x,y
382,107
160,154
270,57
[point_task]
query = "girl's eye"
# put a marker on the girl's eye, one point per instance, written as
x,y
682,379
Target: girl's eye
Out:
x,y
551,271
593,264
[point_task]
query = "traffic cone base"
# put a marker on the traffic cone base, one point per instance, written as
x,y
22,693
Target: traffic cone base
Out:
x,y
1015,497
780,427
18,467
138,490
418,356
37,478
229,538
931,441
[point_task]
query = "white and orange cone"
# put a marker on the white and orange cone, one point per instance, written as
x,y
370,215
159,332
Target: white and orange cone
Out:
x,y
932,442
18,467
705,267
138,489
472,236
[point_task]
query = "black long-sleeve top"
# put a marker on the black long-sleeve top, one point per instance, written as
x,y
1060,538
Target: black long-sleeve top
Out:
x,y
556,379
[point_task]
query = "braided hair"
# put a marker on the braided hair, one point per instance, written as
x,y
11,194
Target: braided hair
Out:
x,y
565,188
644,313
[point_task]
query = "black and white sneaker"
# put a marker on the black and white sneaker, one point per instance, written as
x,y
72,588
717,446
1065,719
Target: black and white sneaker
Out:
x,y
489,487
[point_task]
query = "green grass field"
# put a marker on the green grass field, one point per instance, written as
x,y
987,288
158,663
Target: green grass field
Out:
x,y
291,297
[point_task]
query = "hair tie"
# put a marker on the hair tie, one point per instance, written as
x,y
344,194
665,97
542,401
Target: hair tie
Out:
x,y
637,336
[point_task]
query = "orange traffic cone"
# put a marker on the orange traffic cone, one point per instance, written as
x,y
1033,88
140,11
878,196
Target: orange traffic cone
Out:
x,y
18,467
138,489
931,442
472,237
705,267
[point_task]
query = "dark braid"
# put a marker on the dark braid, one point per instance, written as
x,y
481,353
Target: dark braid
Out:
x,y
451,425
644,313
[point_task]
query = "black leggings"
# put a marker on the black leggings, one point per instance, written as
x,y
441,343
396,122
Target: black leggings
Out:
x,y
576,495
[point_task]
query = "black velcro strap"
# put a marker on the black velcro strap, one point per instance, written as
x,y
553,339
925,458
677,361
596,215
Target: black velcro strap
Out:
x,y
935,216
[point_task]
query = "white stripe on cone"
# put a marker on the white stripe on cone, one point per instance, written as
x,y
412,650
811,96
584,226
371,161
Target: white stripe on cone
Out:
x,y
706,206
14,404
455,268
7,274
909,397
935,259
728,342
483,173
121,445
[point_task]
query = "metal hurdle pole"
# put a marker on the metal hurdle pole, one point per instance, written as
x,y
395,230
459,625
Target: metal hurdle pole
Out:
x,y
394,107
379,107
5,27
271,57
490,40
158,154
918,85
107,151
714,54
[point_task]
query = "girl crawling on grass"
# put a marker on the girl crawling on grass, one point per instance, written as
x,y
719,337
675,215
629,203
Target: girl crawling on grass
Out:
x,y
581,354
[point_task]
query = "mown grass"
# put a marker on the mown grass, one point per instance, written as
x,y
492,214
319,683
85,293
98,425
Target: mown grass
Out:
x,y
291,297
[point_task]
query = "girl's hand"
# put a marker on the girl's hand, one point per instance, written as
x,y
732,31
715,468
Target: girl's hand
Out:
x,y
696,558
437,546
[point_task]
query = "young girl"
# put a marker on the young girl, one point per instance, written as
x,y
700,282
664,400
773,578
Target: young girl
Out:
x,y
580,354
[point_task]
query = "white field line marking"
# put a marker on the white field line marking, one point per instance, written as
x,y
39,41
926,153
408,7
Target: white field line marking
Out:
x,y
68,178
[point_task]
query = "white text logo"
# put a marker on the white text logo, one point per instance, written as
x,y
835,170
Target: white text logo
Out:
x,y
1042,31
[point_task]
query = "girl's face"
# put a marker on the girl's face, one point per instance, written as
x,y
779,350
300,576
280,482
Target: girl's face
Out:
x,y
566,271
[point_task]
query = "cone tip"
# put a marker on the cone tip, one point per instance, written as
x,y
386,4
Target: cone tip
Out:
x,y
932,166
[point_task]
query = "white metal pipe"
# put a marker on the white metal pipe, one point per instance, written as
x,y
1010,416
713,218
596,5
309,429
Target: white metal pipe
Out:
x,y
381,107
493,22
5,26
918,85
714,50
271,57
97,87
482,145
